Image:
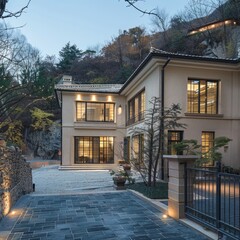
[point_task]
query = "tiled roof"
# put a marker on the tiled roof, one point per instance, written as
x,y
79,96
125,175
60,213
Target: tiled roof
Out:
x,y
161,53
100,88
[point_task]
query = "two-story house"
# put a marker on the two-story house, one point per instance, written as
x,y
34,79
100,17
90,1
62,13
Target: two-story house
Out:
x,y
97,117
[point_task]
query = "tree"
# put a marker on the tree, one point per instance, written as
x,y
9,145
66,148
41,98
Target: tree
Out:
x,y
157,120
69,55
5,13
41,119
221,41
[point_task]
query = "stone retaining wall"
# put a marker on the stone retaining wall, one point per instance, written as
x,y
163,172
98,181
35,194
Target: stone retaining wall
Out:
x,y
15,178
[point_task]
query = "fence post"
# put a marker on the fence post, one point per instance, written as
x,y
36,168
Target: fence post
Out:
x,y
218,194
176,184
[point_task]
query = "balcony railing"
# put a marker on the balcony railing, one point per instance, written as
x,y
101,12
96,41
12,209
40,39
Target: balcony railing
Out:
x,y
135,119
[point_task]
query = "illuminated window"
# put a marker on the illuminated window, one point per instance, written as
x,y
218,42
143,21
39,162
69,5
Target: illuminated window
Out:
x,y
173,138
95,112
202,96
138,147
94,150
207,143
136,108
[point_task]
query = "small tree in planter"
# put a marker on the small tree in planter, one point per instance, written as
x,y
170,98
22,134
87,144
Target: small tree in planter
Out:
x,y
191,147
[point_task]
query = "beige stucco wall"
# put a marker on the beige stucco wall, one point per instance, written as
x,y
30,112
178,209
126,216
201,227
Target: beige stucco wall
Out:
x,y
226,123
72,128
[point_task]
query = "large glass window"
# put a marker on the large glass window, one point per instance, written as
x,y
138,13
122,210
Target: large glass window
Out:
x,y
207,143
136,108
202,96
90,150
173,138
98,112
138,147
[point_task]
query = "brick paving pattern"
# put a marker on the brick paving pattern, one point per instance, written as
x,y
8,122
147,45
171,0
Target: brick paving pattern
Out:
x,y
84,205
113,215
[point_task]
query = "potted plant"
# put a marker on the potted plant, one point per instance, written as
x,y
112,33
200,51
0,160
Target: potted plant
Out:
x,y
120,177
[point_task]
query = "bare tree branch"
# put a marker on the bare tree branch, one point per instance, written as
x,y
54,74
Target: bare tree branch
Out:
x,y
132,4
4,13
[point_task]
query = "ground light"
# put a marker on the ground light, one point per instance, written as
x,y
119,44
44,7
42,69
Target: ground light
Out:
x,y
13,213
164,216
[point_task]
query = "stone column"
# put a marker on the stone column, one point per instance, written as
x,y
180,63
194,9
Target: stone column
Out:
x,y
176,194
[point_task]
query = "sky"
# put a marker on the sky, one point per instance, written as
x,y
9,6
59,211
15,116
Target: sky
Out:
x,y
49,24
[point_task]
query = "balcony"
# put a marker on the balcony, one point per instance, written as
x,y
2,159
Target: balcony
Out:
x,y
135,119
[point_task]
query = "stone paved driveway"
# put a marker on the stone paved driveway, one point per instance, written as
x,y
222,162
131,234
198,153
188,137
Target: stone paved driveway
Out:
x,y
50,180
84,205
106,215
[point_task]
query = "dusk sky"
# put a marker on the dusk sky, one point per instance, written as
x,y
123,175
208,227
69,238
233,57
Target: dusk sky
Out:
x,y
50,24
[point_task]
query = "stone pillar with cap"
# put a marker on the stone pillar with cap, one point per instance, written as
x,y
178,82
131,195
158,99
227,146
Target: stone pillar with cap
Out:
x,y
176,188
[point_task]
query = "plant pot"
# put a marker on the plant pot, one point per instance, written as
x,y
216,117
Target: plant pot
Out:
x,y
119,183
127,167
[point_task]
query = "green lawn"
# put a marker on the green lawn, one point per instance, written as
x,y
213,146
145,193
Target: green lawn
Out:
x,y
160,191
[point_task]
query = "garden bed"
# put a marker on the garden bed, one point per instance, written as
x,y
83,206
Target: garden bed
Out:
x,y
160,191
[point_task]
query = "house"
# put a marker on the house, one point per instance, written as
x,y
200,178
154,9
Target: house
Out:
x,y
96,118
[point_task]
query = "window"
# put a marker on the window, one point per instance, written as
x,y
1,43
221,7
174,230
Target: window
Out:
x,y
95,112
126,149
90,150
207,143
202,96
138,147
136,108
173,138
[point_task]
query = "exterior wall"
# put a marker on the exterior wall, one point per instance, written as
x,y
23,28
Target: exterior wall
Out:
x,y
177,72
226,123
15,178
72,128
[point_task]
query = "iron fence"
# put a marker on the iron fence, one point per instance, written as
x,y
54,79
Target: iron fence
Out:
x,y
213,199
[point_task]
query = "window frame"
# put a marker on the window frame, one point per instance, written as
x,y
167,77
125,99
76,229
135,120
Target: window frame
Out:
x,y
170,142
206,93
210,163
140,153
102,158
104,115
134,115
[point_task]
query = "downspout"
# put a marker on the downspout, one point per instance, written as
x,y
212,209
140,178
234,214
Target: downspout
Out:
x,y
61,131
162,113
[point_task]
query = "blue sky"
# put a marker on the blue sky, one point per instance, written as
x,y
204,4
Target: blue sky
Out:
x,y
50,24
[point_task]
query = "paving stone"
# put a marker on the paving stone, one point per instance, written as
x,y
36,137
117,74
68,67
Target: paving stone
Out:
x,y
93,216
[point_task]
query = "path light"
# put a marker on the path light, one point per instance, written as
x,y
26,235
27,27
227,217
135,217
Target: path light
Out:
x,y
13,212
164,216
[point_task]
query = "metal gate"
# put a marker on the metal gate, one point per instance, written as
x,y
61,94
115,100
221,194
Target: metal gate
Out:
x,y
212,198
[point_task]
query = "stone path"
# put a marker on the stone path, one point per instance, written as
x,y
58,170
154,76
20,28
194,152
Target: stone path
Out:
x,y
81,205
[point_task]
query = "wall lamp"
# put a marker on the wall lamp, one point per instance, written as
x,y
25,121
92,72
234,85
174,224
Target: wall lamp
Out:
x,y
119,109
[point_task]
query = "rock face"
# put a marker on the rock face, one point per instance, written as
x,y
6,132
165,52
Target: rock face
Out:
x,y
45,144
15,178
